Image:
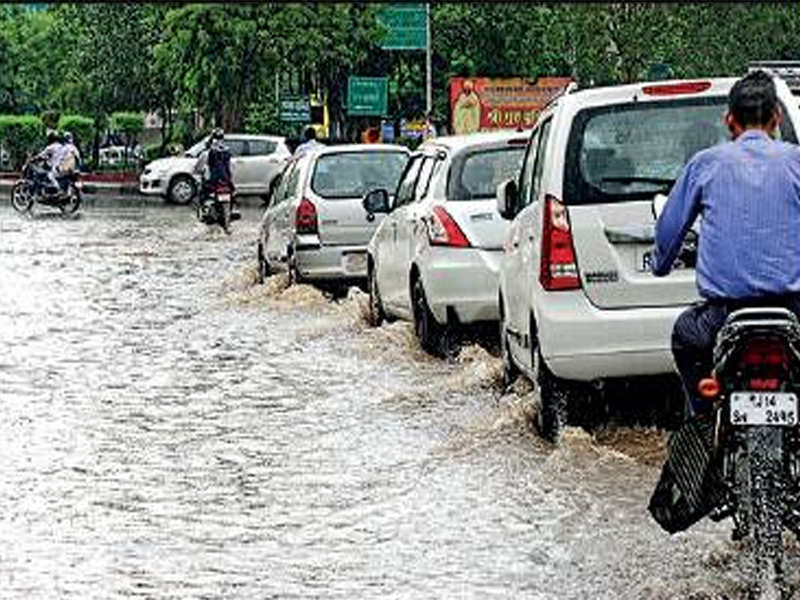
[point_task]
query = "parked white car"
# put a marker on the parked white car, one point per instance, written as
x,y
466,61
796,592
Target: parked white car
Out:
x,y
577,300
255,161
314,225
435,258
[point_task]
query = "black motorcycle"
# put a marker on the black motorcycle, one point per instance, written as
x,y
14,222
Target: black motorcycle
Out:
x,y
216,205
35,187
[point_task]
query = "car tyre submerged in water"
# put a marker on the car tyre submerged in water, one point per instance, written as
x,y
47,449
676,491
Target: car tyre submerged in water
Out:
x,y
429,332
375,315
263,267
21,199
510,370
182,189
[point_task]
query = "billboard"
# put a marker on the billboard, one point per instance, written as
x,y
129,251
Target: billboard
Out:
x,y
484,103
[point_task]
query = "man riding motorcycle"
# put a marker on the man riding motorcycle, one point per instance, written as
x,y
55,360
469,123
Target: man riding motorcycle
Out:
x,y
746,191
51,155
214,164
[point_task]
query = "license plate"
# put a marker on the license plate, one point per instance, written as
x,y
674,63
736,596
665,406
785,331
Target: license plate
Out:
x,y
645,261
763,408
355,263
224,197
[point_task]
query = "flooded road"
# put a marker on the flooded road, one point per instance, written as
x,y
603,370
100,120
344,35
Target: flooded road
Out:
x,y
171,430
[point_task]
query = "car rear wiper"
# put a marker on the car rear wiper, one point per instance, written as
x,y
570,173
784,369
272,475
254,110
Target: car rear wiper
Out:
x,y
663,180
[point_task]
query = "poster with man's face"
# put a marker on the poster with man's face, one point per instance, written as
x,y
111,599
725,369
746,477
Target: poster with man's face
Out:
x,y
483,103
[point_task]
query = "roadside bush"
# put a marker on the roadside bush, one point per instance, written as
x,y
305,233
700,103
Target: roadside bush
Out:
x,y
82,128
152,152
129,123
50,118
20,135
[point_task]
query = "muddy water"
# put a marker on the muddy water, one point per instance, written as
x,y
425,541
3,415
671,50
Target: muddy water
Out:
x,y
171,430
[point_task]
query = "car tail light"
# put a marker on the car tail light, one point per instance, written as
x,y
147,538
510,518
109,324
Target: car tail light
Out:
x,y
444,231
305,220
672,89
558,270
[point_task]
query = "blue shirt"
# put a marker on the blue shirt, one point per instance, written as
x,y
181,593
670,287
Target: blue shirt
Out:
x,y
748,193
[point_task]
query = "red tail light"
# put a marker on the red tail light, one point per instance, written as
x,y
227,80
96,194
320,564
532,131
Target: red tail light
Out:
x,y
305,220
671,89
765,362
444,231
558,270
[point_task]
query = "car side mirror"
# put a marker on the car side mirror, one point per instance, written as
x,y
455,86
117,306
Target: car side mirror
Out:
x,y
658,205
376,201
507,199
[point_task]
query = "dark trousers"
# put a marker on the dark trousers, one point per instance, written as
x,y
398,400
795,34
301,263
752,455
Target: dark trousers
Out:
x,y
694,335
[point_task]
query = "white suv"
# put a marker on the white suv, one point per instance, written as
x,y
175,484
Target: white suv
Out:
x,y
255,161
577,300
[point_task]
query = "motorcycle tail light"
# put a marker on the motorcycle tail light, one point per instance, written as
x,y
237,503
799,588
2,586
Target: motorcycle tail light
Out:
x,y
765,352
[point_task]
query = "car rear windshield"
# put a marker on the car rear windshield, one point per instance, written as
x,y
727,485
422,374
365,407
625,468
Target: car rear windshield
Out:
x,y
477,176
353,174
633,151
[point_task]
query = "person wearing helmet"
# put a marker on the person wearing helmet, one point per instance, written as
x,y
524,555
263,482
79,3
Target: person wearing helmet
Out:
x,y
214,165
50,155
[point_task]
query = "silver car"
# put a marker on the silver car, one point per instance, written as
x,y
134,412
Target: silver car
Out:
x,y
435,258
314,225
255,161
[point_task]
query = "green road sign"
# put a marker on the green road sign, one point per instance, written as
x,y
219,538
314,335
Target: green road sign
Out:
x,y
407,24
366,96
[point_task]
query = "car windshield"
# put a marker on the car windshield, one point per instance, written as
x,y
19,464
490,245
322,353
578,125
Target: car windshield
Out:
x,y
481,172
353,174
633,151
197,149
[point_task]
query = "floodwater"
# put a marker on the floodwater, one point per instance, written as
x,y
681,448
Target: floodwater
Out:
x,y
170,429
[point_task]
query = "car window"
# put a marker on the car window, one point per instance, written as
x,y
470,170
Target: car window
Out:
x,y
632,151
405,191
235,146
541,159
478,174
280,192
294,180
261,147
353,174
424,178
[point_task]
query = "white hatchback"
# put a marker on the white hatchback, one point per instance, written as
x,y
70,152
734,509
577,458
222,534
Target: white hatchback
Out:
x,y
435,258
578,302
314,225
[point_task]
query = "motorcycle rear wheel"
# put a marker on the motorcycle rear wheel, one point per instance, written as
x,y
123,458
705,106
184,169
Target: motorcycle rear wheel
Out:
x,y
21,198
73,204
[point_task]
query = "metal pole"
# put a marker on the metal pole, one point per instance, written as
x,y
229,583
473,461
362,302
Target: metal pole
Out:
x,y
428,90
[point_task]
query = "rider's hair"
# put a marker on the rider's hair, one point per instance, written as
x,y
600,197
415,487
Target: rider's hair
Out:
x,y
753,99
310,133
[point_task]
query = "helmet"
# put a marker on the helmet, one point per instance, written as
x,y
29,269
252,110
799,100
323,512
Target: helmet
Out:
x,y
218,134
68,137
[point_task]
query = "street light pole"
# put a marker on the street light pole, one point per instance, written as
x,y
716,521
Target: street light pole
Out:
x,y
428,90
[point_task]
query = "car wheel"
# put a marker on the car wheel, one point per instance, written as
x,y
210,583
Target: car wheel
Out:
x,y
263,266
182,189
375,316
429,332
554,399
510,370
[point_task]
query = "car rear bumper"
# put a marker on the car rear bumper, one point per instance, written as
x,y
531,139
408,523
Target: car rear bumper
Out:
x,y
320,262
152,185
464,279
580,341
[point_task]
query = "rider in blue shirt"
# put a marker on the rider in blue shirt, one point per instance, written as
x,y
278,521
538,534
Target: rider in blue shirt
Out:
x,y
748,194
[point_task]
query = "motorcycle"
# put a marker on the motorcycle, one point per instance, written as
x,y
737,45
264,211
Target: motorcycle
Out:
x,y
216,206
35,187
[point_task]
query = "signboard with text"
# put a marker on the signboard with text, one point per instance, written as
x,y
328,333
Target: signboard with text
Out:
x,y
295,109
483,103
367,96
407,25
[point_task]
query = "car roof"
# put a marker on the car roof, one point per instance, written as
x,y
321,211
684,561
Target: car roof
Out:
x,y
335,149
253,136
459,142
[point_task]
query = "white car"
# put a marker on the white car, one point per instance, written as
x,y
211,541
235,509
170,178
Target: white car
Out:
x,y
435,258
255,161
314,225
578,302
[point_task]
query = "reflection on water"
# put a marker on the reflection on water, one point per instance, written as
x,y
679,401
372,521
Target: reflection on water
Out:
x,y
172,430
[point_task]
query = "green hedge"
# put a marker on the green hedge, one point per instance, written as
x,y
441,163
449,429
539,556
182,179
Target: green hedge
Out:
x,y
21,135
128,123
50,119
82,128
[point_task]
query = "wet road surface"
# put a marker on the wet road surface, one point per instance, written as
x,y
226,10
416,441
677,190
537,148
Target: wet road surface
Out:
x,y
172,430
